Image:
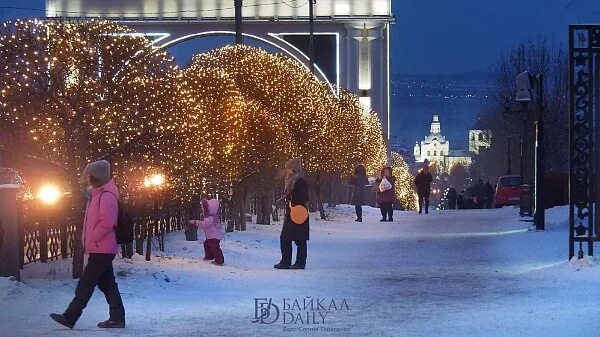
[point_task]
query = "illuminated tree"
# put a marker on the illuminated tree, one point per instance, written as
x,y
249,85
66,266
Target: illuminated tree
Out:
x,y
89,90
405,191
81,91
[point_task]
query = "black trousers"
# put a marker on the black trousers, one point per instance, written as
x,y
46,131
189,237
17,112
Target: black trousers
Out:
x,y
358,209
423,199
452,204
286,252
387,210
97,272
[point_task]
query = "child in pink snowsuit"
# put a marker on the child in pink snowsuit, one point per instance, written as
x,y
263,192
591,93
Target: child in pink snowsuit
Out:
x,y
212,230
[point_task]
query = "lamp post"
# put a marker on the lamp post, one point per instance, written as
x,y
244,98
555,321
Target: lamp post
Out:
x,y
238,22
509,168
525,82
153,183
311,37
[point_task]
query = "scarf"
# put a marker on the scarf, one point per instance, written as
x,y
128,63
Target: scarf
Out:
x,y
289,185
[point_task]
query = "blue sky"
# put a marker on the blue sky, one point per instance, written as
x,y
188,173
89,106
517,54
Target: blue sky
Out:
x,y
451,36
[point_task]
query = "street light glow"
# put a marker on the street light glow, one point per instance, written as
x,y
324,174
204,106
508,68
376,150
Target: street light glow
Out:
x,y
154,180
49,194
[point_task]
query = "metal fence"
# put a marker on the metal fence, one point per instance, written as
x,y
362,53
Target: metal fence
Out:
x,y
48,233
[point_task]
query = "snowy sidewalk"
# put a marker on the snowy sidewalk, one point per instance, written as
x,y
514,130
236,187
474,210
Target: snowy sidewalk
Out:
x,y
450,273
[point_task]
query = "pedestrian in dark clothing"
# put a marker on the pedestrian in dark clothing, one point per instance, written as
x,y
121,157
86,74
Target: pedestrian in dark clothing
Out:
x,y
386,194
480,193
360,182
451,195
100,242
295,194
489,194
460,200
423,183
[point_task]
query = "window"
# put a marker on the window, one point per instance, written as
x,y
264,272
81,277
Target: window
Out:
x,y
441,153
428,153
435,153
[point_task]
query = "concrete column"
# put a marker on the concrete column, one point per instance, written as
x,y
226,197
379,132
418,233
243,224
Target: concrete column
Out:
x,y
10,242
371,71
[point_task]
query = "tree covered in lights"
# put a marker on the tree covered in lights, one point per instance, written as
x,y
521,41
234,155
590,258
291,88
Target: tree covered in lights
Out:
x,y
405,190
288,113
82,91
86,90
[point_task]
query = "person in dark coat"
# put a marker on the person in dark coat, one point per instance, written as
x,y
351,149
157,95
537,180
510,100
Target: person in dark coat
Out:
x,y
385,199
489,194
480,194
460,200
452,196
296,193
423,183
360,182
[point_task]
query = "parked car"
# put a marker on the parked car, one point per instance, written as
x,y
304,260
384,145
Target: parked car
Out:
x,y
508,191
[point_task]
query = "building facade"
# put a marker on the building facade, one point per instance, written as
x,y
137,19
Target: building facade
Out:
x,y
352,37
435,149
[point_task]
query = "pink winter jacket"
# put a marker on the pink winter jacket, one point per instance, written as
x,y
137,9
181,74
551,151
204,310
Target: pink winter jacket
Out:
x,y
101,216
211,223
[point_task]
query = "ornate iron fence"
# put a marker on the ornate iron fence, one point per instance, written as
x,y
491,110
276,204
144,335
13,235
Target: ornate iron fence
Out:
x,y
48,233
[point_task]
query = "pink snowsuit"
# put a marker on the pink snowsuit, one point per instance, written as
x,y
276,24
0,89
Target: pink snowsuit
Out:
x,y
213,230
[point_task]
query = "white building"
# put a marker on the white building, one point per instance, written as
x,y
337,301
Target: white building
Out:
x,y
436,149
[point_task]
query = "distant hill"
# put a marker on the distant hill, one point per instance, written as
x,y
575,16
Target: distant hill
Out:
x,y
468,76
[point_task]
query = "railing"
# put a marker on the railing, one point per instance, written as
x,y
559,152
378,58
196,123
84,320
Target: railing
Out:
x,y
48,233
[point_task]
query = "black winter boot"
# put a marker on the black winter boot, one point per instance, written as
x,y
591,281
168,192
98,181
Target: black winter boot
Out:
x,y
281,266
108,324
61,319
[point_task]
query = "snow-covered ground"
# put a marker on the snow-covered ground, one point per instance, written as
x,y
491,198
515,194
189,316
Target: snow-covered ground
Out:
x,y
449,273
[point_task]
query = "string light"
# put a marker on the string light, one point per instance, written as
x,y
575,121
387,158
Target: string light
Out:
x,y
405,191
87,90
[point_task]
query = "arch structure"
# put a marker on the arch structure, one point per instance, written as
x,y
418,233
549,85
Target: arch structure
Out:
x,y
352,37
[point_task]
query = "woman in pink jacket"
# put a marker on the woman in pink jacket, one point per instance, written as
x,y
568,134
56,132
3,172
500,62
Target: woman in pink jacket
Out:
x,y
100,242
212,230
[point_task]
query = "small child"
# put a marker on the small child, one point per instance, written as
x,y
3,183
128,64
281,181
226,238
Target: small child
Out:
x,y
212,230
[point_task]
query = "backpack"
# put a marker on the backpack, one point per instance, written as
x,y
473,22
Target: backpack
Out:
x,y
124,228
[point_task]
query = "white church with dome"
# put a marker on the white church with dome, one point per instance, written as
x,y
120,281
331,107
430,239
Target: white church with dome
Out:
x,y
435,148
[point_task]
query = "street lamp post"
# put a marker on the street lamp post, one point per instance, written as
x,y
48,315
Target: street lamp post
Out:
x,y
509,168
238,22
311,37
524,84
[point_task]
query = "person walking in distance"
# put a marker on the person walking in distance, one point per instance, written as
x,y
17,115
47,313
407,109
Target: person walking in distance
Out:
x,y
360,182
100,242
451,195
423,183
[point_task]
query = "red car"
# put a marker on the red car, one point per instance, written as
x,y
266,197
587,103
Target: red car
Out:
x,y
508,191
